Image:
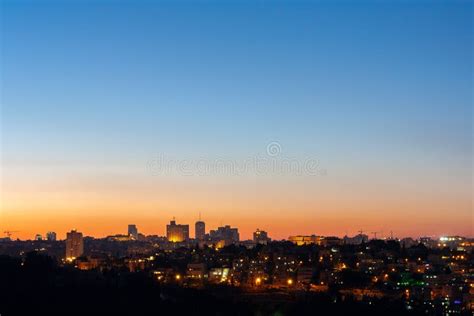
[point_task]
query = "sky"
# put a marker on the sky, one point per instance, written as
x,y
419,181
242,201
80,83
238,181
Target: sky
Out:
x,y
96,96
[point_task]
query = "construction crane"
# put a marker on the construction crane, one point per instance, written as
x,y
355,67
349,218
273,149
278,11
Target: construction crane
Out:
x,y
10,232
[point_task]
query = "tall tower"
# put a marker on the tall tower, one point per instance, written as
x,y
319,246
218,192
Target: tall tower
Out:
x,y
200,229
74,245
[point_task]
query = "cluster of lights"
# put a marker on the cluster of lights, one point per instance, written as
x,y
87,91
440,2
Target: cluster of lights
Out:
x,y
450,238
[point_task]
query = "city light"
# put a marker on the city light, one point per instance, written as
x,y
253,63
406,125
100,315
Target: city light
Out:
x,y
283,158
199,273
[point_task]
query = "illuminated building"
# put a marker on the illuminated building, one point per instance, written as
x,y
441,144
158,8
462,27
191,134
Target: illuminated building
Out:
x,y
219,275
51,236
177,232
225,235
450,241
305,240
133,231
88,263
74,244
200,230
313,239
260,237
221,243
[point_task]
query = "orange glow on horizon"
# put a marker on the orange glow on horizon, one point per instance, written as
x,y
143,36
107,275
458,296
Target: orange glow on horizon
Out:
x,y
282,208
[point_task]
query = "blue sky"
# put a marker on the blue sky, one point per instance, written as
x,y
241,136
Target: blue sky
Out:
x,y
363,86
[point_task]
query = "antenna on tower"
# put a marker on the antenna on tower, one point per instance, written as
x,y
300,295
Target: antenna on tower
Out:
x,y
199,215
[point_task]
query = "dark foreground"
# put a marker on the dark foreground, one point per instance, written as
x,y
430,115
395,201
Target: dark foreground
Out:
x,y
39,287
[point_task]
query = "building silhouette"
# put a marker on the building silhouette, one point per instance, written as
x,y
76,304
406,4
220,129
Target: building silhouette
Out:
x,y
177,232
51,236
260,237
225,235
74,244
133,231
200,230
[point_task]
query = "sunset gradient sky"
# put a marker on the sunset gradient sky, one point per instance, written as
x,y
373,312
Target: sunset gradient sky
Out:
x,y
379,93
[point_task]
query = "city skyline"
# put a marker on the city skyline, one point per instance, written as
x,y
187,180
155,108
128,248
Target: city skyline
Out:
x,y
191,232
237,157
378,94
354,275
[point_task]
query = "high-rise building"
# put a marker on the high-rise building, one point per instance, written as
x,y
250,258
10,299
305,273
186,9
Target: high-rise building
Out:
x,y
51,236
74,244
133,231
200,230
225,235
177,232
260,237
